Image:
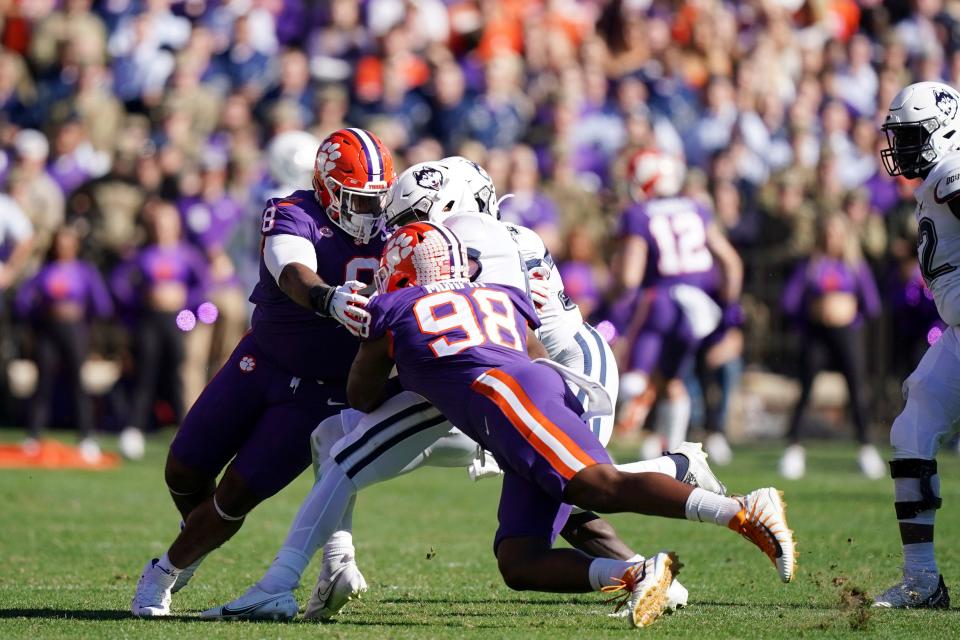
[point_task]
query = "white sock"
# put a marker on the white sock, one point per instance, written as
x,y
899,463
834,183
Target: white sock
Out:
x,y
285,571
338,550
605,572
703,506
167,567
663,464
919,561
315,522
673,418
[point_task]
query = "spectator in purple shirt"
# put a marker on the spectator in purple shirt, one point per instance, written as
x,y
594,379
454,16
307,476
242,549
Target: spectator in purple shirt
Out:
x,y
210,220
827,297
161,279
60,301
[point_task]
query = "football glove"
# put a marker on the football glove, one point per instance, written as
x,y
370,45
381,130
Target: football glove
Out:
x,y
345,305
539,286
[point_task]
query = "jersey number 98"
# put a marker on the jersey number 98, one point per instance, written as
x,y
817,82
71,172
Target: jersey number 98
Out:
x,y
446,311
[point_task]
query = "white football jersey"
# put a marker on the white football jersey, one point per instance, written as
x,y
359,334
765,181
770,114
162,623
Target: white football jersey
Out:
x,y
490,244
560,317
938,244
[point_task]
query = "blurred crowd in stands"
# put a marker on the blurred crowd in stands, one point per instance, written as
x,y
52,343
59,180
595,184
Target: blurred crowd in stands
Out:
x,y
132,167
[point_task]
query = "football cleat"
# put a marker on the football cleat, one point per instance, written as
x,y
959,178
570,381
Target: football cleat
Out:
x,y
793,464
913,594
763,521
646,586
484,466
152,597
870,462
332,593
719,449
677,596
256,604
699,473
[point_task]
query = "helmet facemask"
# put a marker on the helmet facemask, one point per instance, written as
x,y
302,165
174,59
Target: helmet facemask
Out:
x,y
358,212
910,148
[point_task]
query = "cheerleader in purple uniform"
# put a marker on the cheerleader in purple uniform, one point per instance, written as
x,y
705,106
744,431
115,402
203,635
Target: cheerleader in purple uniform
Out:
x,y
60,301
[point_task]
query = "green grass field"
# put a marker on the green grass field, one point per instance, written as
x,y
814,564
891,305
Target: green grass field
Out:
x,y
72,545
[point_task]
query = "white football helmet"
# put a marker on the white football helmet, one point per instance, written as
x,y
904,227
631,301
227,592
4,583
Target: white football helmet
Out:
x,y
921,128
654,174
290,157
480,183
428,191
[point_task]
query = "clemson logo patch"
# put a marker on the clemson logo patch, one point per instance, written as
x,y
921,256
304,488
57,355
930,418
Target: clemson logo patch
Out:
x,y
247,364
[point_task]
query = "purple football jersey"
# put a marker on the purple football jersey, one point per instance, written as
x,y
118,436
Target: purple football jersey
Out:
x,y
298,340
676,233
446,334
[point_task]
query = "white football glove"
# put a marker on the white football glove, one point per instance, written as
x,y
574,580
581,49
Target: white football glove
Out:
x,y
349,308
539,287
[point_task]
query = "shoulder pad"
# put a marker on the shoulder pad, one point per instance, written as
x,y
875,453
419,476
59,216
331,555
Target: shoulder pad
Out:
x,y
945,179
527,239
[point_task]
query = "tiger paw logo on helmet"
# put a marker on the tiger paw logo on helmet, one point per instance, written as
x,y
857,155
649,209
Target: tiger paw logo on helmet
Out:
x,y
327,156
399,247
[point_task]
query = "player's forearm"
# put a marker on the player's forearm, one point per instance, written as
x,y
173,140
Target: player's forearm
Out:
x,y
298,281
367,382
535,348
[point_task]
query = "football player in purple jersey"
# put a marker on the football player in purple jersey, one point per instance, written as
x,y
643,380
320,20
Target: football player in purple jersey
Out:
x,y
464,347
253,420
673,256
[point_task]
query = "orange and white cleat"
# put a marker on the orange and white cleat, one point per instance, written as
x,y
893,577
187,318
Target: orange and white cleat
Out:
x,y
646,587
763,521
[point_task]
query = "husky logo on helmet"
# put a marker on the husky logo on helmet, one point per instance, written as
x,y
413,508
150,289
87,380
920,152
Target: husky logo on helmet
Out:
x,y
945,102
429,178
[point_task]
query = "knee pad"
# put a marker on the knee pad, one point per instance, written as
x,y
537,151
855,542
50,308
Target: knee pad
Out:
x,y
923,494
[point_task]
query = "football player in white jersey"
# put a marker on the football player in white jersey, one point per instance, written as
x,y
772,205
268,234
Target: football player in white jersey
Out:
x,y
407,432
923,134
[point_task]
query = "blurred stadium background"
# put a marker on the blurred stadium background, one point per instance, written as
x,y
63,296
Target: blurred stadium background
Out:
x,y
126,124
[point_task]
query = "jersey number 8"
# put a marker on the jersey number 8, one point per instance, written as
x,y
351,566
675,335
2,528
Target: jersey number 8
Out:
x,y
498,324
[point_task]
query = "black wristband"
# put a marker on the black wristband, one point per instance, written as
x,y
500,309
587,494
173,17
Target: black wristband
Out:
x,y
320,297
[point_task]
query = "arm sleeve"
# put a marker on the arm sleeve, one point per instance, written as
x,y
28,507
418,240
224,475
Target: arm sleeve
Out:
x,y
283,249
867,292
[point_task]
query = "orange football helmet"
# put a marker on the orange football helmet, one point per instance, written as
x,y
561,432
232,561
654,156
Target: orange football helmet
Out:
x,y
654,174
421,253
351,175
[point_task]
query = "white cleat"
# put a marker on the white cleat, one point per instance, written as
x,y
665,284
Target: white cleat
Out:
x,y
332,593
763,521
793,464
870,462
719,449
132,444
152,597
89,451
923,593
256,604
649,585
677,596
699,473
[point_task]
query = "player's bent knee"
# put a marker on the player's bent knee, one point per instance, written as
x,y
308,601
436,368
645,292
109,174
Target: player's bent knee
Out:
x,y
182,480
594,488
515,557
